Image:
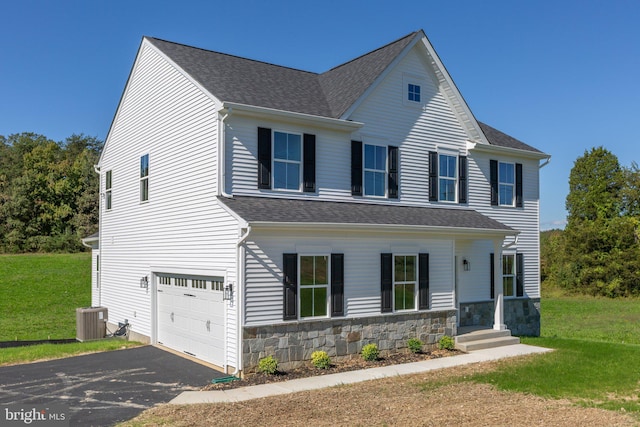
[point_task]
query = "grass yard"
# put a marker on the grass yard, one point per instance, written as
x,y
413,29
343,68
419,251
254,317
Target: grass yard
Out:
x,y
597,357
39,294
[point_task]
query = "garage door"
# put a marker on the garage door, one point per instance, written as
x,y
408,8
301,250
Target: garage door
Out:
x,y
191,315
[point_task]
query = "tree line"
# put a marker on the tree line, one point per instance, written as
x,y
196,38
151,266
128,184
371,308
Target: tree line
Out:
x,y
48,192
598,252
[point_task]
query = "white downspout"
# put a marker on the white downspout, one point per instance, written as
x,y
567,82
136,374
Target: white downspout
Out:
x,y
546,162
222,155
96,168
239,291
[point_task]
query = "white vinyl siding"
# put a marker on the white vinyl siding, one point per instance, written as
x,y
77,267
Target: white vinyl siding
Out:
x,y
361,269
525,220
164,114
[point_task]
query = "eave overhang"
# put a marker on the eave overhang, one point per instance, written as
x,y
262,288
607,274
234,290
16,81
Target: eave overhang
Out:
x,y
290,116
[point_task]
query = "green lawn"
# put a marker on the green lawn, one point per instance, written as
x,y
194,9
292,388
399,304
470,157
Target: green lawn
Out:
x,y
39,294
596,361
592,319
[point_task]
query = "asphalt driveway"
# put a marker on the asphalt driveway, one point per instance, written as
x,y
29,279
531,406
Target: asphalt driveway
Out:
x,y
102,389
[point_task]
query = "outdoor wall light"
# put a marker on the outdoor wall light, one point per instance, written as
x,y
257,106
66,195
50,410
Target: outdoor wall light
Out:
x,y
228,292
466,265
144,282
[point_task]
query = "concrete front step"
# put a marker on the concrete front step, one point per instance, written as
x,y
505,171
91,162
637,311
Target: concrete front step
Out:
x,y
485,338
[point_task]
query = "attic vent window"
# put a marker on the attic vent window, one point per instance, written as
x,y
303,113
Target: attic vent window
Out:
x,y
413,92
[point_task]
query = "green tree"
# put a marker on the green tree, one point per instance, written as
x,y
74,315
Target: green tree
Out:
x,y
600,253
595,182
49,192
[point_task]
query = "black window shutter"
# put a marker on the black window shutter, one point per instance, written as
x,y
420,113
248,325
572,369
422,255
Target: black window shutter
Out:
x,y
264,158
423,281
433,176
290,288
337,285
462,179
386,282
518,185
309,167
393,172
519,275
356,168
493,179
493,281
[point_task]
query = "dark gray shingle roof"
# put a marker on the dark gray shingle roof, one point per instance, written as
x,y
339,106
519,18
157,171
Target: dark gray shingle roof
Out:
x,y
501,139
330,94
272,210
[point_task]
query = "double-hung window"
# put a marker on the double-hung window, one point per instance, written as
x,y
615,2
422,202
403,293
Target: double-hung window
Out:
x,y
107,186
314,285
508,275
447,177
144,178
287,161
506,184
512,275
375,170
404,282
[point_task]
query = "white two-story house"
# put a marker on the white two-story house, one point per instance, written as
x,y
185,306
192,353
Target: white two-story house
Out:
x,y
249,209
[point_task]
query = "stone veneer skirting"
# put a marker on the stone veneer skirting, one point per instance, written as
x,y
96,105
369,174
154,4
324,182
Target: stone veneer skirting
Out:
x,y
521,315
292,343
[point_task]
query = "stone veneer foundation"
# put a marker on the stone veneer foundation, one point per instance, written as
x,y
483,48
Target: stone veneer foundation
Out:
x,y
521,315
292,343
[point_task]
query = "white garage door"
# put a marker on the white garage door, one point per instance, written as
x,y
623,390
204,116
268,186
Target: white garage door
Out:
x,y
191,315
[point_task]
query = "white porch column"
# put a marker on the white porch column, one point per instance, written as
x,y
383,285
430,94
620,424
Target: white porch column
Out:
x,y
498,288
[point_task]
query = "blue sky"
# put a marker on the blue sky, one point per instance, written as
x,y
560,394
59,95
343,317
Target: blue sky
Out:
x,y
562,76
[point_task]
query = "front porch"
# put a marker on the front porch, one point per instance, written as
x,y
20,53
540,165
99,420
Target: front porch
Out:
x,y
472,338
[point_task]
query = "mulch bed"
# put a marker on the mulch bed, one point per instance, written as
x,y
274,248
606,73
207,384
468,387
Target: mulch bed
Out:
x,y
352,364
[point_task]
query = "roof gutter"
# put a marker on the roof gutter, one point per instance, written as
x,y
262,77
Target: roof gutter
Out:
x,y
391,228
290,116
506,150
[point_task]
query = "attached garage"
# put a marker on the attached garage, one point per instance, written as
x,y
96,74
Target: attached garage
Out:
x,y
191,315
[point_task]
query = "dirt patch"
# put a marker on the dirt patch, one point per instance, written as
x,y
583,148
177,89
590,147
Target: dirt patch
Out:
x,y
345,365
436,398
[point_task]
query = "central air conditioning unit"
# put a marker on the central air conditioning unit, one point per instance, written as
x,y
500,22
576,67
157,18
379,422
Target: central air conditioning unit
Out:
x,y
91,323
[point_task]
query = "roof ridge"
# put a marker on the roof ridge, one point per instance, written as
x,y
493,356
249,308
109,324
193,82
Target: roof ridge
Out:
x,y
232,55
372,51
